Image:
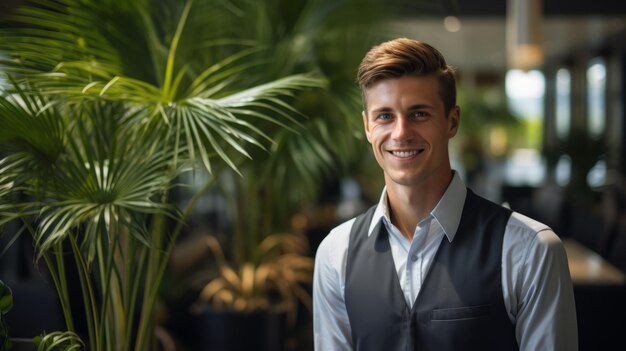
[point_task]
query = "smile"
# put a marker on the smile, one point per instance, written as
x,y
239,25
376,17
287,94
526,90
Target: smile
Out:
x,y
405,153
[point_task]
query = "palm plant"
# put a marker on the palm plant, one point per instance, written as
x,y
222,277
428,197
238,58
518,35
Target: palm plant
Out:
x,y
314,35
328,37
108,103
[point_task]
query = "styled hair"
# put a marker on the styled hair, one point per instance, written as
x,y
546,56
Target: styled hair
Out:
x,y
406,57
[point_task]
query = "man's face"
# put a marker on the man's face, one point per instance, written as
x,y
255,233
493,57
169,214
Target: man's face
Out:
x,y
406,124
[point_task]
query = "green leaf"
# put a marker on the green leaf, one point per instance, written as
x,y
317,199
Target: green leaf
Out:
x,y
58,341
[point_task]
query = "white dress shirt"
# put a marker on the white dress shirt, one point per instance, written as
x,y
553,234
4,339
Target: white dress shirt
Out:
x,y
536,283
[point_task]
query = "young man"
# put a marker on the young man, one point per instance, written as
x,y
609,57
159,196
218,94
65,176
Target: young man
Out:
x,y
434,266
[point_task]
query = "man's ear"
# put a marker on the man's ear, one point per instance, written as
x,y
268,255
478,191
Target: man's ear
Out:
x,y
454,120
366,125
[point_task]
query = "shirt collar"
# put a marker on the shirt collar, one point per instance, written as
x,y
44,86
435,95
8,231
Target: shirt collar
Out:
x,y
447,211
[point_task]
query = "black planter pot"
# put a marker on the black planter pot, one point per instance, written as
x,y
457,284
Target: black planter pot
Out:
x,y
240,331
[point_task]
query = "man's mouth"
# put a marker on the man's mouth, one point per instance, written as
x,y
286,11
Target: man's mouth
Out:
x,y
406,153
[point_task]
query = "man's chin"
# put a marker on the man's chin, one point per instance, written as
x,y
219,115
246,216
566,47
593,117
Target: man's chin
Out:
x,y
402,179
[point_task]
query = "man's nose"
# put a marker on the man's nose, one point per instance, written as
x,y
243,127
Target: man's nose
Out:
x,y
400,129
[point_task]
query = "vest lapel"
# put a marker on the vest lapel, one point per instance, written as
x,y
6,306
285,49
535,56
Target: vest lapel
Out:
x,y
383,247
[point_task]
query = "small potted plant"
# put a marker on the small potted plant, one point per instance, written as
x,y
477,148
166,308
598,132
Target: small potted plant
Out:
x,y
254,303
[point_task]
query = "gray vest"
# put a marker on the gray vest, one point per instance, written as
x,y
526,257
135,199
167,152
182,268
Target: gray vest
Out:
x,y
460,305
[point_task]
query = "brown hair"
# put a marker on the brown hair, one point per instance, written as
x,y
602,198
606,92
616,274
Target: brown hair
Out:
x,y
407,57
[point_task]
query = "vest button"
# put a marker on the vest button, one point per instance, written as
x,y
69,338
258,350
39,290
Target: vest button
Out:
x,y
414,258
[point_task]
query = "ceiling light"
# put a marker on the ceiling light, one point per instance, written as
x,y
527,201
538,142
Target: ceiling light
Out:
x,y
452,24
523,37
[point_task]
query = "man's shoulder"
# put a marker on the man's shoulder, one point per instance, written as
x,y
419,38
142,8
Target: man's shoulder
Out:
x,y
517,222
525,233
529,226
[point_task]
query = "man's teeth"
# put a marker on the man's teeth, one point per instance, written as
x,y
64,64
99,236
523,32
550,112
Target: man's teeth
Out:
x,y
404,153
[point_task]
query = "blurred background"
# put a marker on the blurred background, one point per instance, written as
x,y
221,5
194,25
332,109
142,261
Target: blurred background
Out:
x,y
542,90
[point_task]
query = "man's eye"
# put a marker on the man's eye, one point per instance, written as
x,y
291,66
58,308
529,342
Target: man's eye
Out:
x,y
384,116
419,114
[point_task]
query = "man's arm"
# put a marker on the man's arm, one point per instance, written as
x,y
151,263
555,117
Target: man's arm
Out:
x,y
546,318
331,327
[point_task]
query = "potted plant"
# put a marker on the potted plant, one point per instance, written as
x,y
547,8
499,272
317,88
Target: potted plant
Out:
x,y
130,95
258,298
106,104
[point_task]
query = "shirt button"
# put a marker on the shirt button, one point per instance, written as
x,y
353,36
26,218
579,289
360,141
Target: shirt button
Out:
x,y
414,258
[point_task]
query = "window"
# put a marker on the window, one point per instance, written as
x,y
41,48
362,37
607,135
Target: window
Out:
x,y
596,93
525,92
563,170
563,103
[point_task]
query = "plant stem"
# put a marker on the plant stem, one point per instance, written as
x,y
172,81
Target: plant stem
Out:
x,y
107,317
146,324
150,294
91,308
60,282
138,259
238,226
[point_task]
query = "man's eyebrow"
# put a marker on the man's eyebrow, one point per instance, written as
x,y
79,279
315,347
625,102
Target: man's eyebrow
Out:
x,y
411,108
381,109
420,107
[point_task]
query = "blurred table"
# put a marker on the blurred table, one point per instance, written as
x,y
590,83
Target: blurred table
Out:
x,y
589,268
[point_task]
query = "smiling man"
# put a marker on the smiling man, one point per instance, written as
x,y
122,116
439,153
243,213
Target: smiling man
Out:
x,y
433,266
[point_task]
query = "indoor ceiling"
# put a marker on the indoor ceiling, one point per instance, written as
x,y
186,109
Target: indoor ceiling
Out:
x,y
480,43
568,26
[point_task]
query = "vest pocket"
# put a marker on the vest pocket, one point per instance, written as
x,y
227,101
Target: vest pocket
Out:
x,y
460,313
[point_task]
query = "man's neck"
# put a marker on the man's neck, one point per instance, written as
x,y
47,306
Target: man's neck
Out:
x,y
408,205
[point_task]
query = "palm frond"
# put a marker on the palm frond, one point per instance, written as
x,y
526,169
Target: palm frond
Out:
x,y
64,28
98,188
77,174
34,135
